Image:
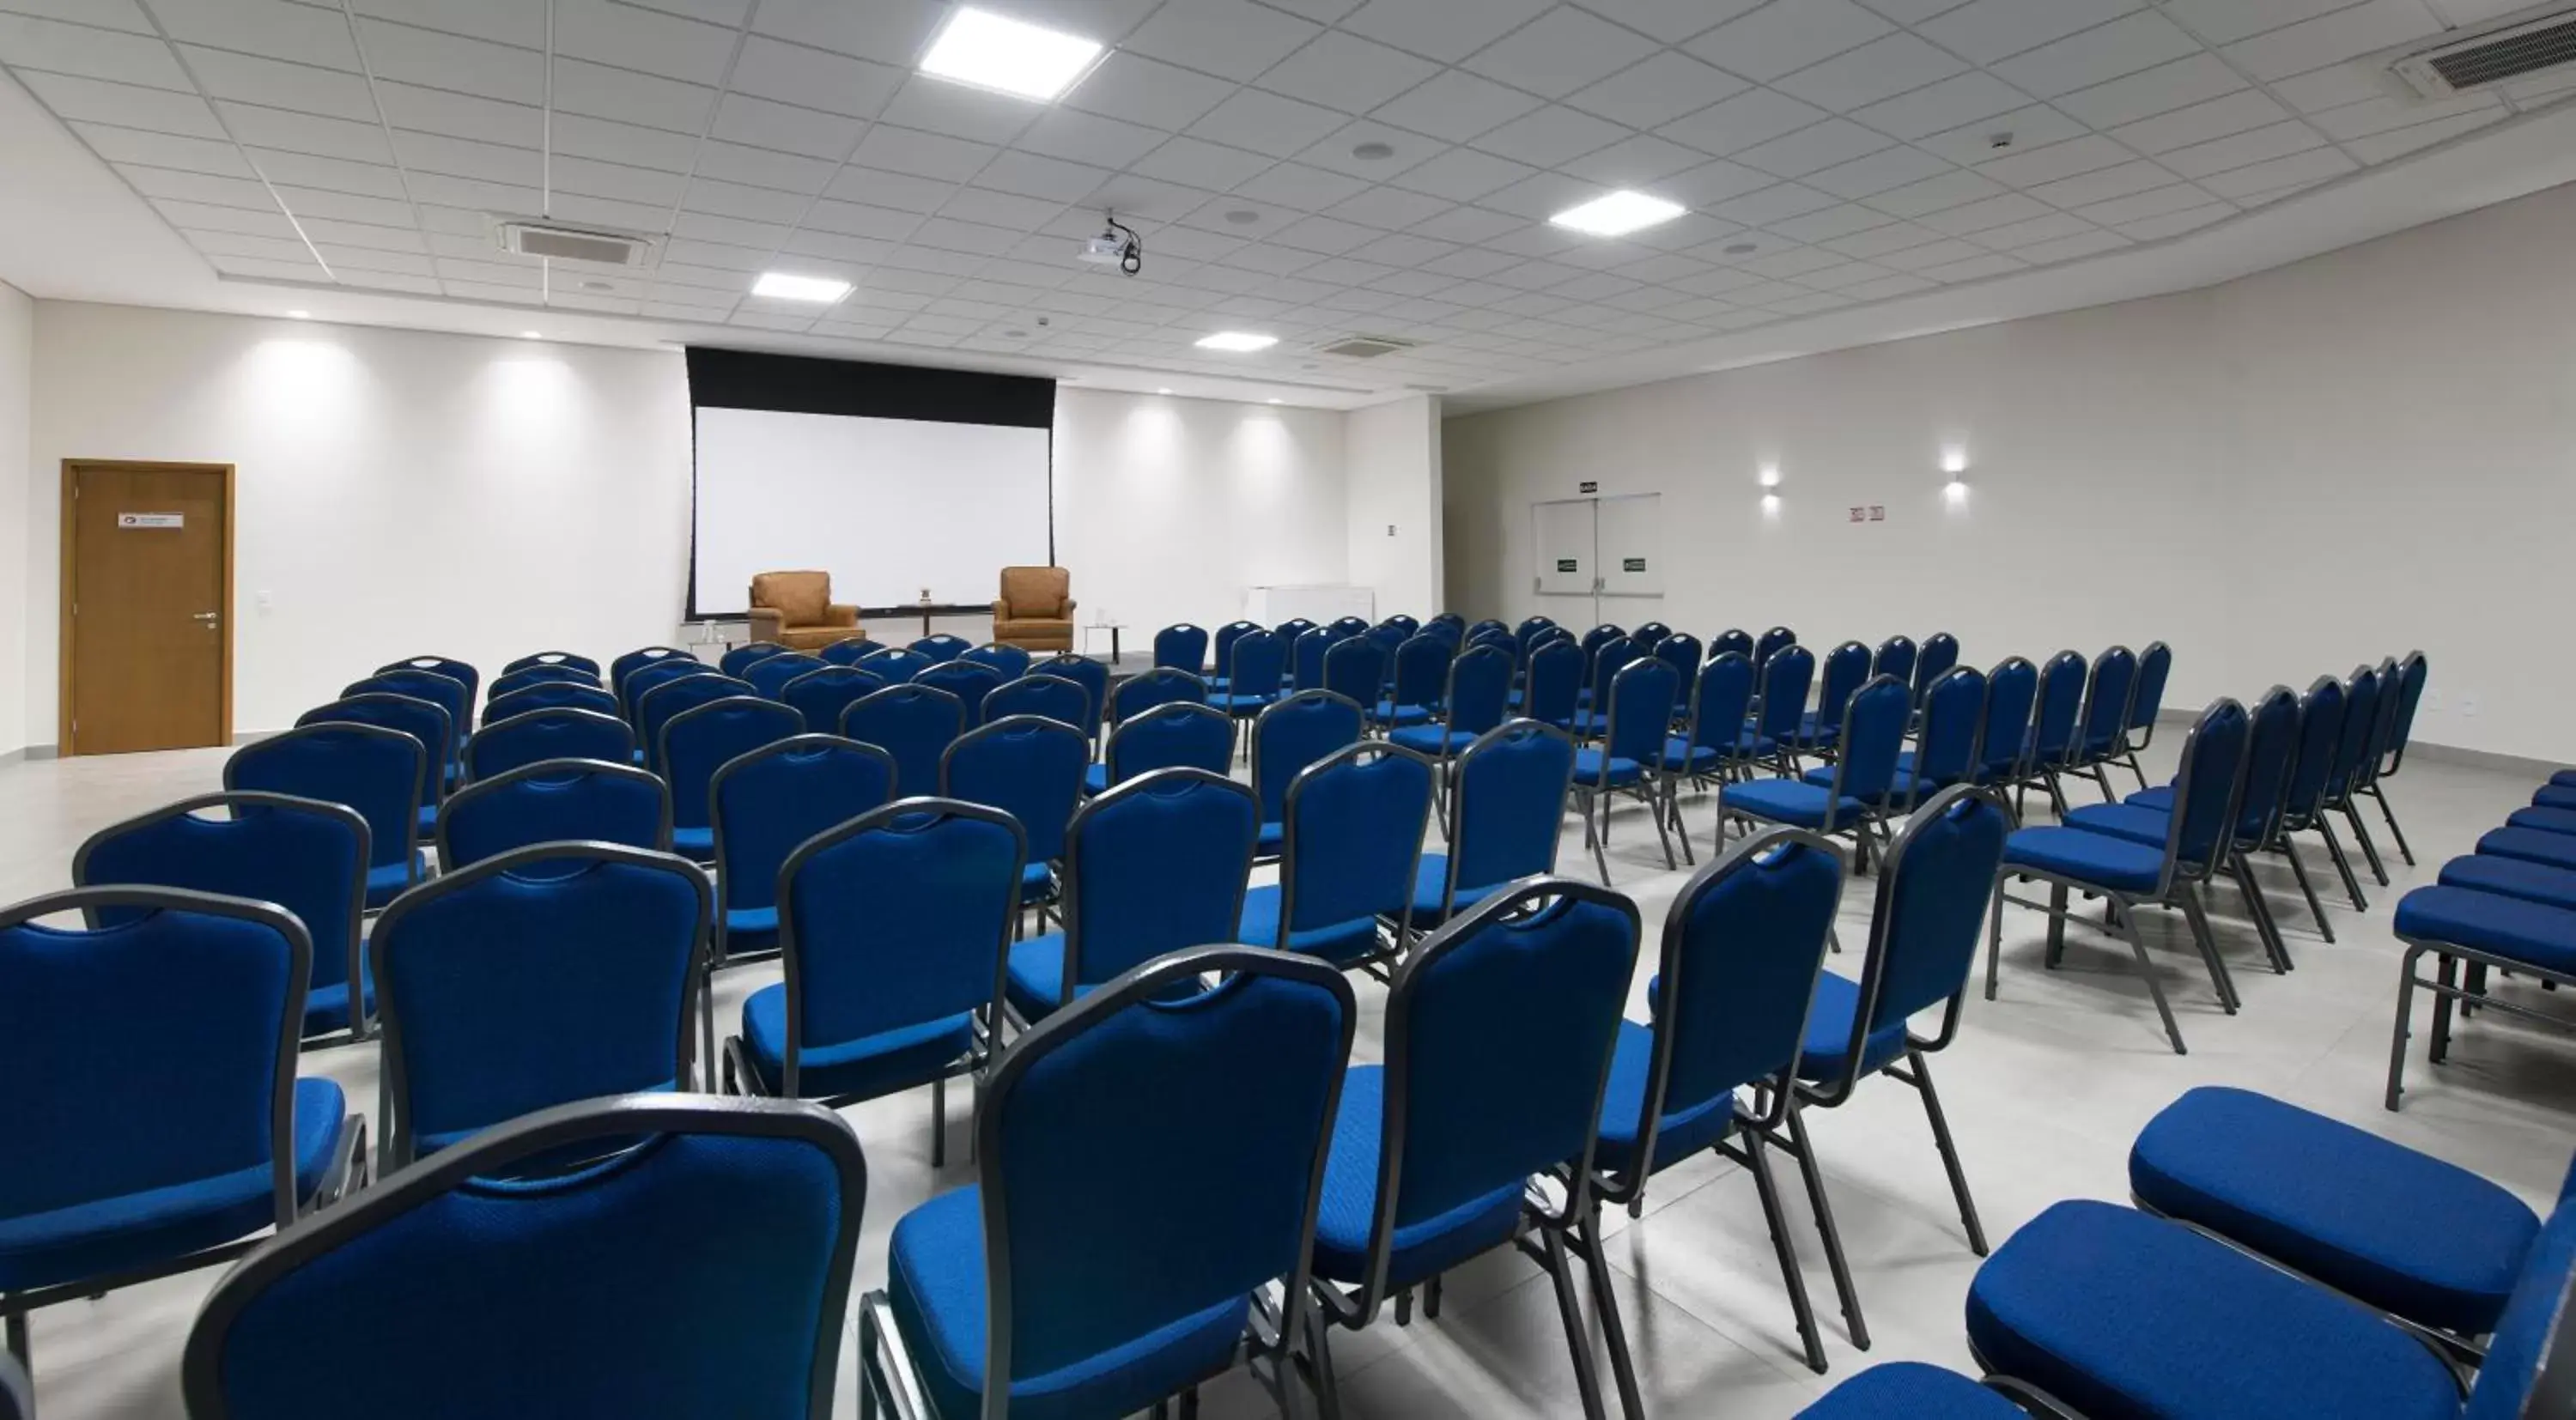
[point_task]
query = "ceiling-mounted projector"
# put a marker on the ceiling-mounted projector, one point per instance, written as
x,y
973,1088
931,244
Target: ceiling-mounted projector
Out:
x,y
1117,245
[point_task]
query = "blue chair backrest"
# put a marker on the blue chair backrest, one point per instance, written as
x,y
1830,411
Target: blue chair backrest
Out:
x,y
2155,664
1155,865
2268,748
1720,699
551,695
1600,636
1176,734
1846,670
380,1296
1735,640
1641,711
1181,647
1507,809
563,659
698,742
448,666
2061,699
2012,687
1873,735
2106,699
897,664
1953,713
2360,718
1896,656
2205,788
1406,624
1226,636
1386,636
1743,945
1050,696
1163,685
2412,672
1681,651
1785,678
2320,733
380,773
1527,633
1292,628
1650,635
770,674
556,801
646,678
770,800
1028,766
304,855
943,647
1011,661
1931,912
1294,733
537,675
1487,627
1773,642
558,972
1354,669
409,714
1348,626
2385,731
1253,665
669,701
1498,1037
1355,821
2525,1373
633,661
1421,669
897,918
1608,659
915,724
150,1054
969,682
1151,1110
743,657
1940,653
821,696
1555,683
1083,671
848,651
1480,687
503,745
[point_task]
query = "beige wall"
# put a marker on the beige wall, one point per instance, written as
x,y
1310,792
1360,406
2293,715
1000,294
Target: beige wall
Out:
x,y
1393,456
17,375
2331,462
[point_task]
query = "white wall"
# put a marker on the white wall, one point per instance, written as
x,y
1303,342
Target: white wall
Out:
x,y
17,372
1393,454
2335,461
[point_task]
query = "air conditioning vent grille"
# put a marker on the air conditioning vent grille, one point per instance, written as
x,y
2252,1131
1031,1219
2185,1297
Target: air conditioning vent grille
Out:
x,y
569,244
1366,347
2493,59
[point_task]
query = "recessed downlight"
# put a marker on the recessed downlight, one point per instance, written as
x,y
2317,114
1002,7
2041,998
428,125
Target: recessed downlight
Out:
x,y
1243,216
299,315
821,290
1743,248
1373,152
989,51
1617,214
1238,342
530,335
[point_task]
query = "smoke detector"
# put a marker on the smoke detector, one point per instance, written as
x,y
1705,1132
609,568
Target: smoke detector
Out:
x,y
576,244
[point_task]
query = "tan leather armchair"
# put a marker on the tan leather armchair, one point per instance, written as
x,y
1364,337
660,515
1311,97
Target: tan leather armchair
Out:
x,y
796,610
1035,611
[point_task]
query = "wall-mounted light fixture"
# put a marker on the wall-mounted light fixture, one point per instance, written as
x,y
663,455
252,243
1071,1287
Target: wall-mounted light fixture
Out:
x,y
1954,462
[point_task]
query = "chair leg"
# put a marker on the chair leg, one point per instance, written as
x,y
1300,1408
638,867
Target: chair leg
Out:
x,y
1994,935
2195,914
2394,831
2361,835
17,1328
1670,862
1578,1341
939,1121
1592,838
1605,1300
2443,1001
2261,912
1673,807
2343,865
1327,1389
2290,850
2147,969
1839,1265
1431,1297
2139,770
2102,776
2056,926
1792,1277
1949,1152
2401,1028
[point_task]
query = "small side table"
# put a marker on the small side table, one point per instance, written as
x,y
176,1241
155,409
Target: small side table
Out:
x,y
1113,628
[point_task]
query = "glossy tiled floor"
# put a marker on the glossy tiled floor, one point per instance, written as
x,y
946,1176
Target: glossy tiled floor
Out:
x,y
2045,1089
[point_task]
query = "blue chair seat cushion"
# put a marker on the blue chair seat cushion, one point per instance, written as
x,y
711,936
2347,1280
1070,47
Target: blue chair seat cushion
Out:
x,y
1588,765
1240,704
1438,741
2513,877
1812,733
2160,797
1349,1205
1911,1390
1430,880
1037,884
1590,722
872,1065
1826,1055
386,881
935,1287
109,1235
2150,827
1033,980
1095,779
750,928
1683,757
2508,927
2118,1313
2085,857
2553,796
1340,943
2558,850
326,1008
698,843
1899,787
1390,713
1790,801
2546,820
1685,1129
1270,841
428,818
2400,1230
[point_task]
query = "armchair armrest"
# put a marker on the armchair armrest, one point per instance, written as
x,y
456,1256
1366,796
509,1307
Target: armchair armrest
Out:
x,y
1001,611
1068,608
765,622
840,614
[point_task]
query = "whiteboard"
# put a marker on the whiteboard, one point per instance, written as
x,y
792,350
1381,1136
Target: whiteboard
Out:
x,y
887,506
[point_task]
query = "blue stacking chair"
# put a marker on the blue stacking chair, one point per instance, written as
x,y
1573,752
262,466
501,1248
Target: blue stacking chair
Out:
x,y
1681,651
1896,656
2003,730
381,774
2055,717
552,695
765,803
1356,671
1157,864
1914,1390
1011,661
304,855
1527,633
1306,657
1780,707
1861,791
1288,631
1450,619
633,661
548,974
568,1294
500,746
770,674
1607,660
2365,692
943,647
406,714
742,658
1155,1109
892,928
821,696
1742,948
699,741
1406,624
554,801
1226,636
2105,718
1473,704
154,1115
1252,676
2133,875
1170,735
1290,735
1351,625
564,660
1355,821
1552,690
2322,713
1602,635
1773,642
458,671
1735,639
1715,747
1950,717
1819,731
1628,757
676,697
915,724
1181,647
1499,1037
1048,696
1030,767
538,675
646,679
848,651
1486,627
1091,675
1932,901
2146,701
1940,652
969,682
1163,685
1506,812
2412,672
897,664
1650,635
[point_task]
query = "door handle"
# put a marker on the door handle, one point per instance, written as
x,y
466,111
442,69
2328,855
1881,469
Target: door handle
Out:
x,y
207,616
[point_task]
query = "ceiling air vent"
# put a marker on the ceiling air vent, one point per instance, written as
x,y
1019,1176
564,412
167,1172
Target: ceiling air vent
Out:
x,y
1366,347
2492,58
573,244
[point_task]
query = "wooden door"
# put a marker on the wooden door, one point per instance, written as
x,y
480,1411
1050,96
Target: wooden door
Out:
x,y
147,606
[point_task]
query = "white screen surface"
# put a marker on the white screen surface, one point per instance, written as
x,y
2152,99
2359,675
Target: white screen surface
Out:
x,y
887,506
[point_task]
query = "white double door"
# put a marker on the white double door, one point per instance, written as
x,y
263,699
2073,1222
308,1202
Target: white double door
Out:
x,y
1599,559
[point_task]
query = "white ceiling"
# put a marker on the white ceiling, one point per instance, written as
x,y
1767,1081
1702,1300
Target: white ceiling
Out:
x,y
1837,157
